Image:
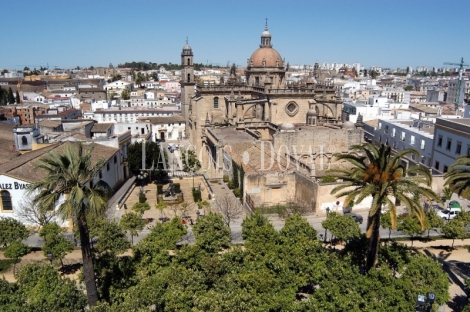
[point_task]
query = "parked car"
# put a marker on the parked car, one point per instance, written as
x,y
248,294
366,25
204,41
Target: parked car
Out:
x,y
358,218
448,214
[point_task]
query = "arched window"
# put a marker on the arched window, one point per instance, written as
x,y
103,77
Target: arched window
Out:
x,y
24,140
189,61
216,102
6,201
189,77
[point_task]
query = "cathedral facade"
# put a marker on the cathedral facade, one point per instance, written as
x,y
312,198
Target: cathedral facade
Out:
x,y
261,104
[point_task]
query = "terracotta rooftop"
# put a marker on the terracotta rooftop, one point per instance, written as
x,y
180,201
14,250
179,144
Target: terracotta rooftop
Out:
x,y
23,166
101,127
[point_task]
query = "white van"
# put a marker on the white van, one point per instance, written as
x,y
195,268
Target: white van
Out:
x,y
449,213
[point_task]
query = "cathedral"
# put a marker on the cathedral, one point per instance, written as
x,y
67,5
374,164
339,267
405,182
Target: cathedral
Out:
x,y
265,108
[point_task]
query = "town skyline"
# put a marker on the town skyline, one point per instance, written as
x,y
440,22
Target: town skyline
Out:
x,y
389,34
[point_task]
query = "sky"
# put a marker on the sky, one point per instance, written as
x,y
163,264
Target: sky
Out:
x,y
386,33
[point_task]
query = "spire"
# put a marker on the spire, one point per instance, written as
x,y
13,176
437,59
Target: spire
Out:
x,y
266,37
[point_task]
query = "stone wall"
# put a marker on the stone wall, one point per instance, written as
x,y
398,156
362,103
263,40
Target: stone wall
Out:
x,y
269,189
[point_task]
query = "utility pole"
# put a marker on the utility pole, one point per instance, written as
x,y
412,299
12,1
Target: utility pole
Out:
x,y
459,86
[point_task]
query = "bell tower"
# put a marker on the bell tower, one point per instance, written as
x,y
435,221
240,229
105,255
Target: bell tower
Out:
x,y
187,80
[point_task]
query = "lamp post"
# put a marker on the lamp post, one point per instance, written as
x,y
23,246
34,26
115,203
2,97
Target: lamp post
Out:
x,y
424,303
326,230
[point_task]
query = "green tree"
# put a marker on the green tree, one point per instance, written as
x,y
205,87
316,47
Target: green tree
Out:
x,y
373,74
17,98
161,205
342,227
258,233
111,238
454,229
410,225
433,221
10,97
132,223
297,227
378,173
125,94
386,223
67,177
141,208
43,289
11,230
190,161
211,233
458,176
447,192
409,88
15,251
55,243
154,156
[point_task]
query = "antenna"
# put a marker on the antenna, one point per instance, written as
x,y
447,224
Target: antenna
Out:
x,y
459,86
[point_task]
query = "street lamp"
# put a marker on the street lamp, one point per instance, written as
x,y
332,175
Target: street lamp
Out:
x,y
142,176
326,230
424,303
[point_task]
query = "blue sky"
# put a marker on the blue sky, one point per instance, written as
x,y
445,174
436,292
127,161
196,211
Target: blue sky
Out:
x,y
387,33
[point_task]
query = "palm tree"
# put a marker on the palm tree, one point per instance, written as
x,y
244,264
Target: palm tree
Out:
x,y
378,173
458,176
68,179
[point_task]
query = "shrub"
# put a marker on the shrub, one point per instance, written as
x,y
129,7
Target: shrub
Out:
x,y
327,179
196,195
231,185
225,178
236,192
142,198
159,188
177,188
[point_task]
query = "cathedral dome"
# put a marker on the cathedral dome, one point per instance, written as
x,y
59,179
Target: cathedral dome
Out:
x,y
266,57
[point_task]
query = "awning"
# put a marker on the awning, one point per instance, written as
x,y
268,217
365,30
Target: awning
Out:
x,y
454,204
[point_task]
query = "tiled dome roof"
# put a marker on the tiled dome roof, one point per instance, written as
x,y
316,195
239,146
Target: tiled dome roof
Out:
x,y
272,58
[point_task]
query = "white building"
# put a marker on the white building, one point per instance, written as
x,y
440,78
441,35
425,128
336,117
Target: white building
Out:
x,y
167,128
403,134
17,174
118,86
452,139
375,107
128,115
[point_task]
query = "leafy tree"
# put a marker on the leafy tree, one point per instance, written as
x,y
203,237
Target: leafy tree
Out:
x,y
190,161
458,176
11,298
10,97
3,96
433,221
373,74
17,98
409,88
395,256
455,229
386,223
66,181
378,173
447,191
154,156
15,251
410,225
141,208
55,243
125,94
211,232
11,230
43,289
161,205
111,238
132,223
464,217
258,233
296,228
341,226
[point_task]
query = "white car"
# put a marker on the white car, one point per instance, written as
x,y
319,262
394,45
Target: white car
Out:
x,y
448,214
